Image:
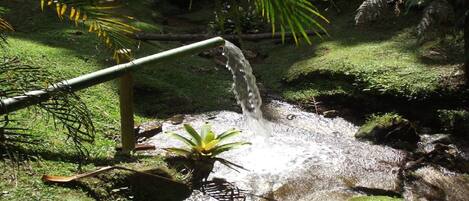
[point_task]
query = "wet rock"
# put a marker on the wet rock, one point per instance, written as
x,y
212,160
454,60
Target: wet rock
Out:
x,y
445,155
436,138
331,113
148,129
389,129
176,119
436,183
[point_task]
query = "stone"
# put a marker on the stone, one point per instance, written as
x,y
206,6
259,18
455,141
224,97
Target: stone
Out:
x,y
176,119
389,129
436,183
331,113
148,129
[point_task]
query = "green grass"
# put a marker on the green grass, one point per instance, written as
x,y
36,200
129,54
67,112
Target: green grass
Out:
x,y
44,41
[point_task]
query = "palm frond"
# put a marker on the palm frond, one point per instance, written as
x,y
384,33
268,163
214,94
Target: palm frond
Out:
x,y
371,10
67,109
436,13
294,15
64,107
4,27
99,17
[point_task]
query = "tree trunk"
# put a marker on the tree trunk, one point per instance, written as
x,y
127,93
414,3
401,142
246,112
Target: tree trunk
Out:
x,y
197,37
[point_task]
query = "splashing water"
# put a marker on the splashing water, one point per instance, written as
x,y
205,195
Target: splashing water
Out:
x,y
245,89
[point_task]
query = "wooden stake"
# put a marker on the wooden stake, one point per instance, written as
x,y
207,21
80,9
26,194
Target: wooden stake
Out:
x,y
127,113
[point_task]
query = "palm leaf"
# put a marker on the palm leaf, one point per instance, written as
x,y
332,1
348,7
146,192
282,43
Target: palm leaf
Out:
x,y
294,15
64,107
100,18
4,27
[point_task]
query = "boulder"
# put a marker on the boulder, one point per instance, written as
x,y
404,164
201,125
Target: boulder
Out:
x,y
389,129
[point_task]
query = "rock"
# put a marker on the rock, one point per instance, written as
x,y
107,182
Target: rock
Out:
x,y
145,187
176,119
331,113
148,129
436,183
389,129
445,155
436,138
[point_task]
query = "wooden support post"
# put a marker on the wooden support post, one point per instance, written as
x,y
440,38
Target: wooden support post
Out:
x,y
127,113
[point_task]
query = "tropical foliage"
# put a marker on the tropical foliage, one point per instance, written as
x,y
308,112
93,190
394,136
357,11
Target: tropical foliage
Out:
x,y
64,107
101,18
436,13
296,16
206,144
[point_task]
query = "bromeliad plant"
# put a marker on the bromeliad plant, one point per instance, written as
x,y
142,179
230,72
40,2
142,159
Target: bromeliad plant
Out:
x,y
206,145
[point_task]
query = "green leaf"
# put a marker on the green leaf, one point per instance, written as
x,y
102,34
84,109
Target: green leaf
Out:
x,y
194,134
210,145
227,134
209,137
206,128
226,147
182,139
178,151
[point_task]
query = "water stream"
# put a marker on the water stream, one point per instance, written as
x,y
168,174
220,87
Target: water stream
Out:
x,y
246,90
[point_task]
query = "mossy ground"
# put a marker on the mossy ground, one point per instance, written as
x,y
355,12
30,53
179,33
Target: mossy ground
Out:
x,y
378,59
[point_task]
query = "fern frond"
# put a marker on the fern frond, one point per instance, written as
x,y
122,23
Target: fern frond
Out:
x,y
371,10
436,13
100,18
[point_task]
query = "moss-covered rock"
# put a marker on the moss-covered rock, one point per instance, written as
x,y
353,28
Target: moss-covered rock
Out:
x,y
390,129
454,121
375,198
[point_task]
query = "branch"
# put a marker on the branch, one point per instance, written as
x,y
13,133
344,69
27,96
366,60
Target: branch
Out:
x,y
197,37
